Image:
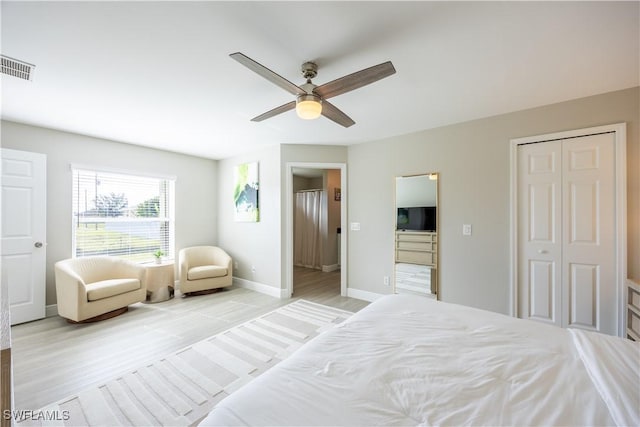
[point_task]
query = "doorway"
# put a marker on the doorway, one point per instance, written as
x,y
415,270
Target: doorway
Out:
x,y
327,182
568,228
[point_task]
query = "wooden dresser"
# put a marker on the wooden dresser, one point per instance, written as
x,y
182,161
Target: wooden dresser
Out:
x,y
633,310
417,247
421,249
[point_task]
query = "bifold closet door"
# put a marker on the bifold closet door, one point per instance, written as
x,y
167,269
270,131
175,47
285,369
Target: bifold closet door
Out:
x,y
539,232
567,233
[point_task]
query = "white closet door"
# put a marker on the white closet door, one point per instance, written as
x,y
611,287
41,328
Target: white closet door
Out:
x,y
567,236
539,234
589,233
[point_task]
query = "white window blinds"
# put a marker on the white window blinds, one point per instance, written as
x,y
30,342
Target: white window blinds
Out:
x,y
122,215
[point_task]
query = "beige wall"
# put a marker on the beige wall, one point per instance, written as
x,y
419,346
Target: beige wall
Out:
x,y
472,158
303,183
262,244
473,161
196,201
253,244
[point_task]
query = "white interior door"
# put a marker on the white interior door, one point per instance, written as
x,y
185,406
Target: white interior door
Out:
x,y
540,237
567,232
589,233
23,190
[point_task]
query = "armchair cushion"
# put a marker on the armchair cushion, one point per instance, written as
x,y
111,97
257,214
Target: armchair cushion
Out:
x,y
206,271
111,287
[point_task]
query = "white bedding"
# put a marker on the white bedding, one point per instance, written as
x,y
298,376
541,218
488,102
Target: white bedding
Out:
x,y
407,360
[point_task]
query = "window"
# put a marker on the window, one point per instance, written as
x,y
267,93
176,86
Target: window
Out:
x,y
122,215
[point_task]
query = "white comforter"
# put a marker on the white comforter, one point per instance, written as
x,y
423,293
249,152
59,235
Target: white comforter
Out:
x,y
406,360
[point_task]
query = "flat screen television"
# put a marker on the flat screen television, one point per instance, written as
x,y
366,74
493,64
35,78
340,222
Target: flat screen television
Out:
x,y
421,218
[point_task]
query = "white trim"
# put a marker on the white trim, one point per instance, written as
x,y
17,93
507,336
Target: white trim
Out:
x,y
330,268
620,131
260,287
513,231
51,310
134,172
289,221
363,295
621,224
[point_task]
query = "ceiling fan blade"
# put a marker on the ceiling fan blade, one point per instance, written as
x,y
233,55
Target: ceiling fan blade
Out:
x,y
278,110
355,80
332,112
263,71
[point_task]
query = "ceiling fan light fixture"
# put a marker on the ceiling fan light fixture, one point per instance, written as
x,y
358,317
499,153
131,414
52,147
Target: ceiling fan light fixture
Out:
x,y
312,100
308,107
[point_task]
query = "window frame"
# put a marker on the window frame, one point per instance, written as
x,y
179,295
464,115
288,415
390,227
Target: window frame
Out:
x,y
170,218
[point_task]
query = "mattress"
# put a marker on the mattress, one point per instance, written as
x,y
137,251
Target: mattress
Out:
x,y
407,360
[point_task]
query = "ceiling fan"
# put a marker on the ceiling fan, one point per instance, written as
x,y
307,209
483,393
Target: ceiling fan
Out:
x,y
311,100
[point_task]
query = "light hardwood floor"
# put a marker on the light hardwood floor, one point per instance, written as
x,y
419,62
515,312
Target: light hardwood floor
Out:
x,y
53,359
321,287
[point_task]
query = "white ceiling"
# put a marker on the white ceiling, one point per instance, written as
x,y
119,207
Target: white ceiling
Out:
x,y
158,74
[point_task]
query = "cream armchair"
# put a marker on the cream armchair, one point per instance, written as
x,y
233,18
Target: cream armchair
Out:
x,y
96,288
204,268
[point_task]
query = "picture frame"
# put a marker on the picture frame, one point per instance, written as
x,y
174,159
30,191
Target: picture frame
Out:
x,y
246,192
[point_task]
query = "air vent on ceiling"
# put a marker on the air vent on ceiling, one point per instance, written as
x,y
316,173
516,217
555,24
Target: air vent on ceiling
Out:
x,y
20,69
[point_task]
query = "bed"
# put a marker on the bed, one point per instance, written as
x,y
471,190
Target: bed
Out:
x,y
407,360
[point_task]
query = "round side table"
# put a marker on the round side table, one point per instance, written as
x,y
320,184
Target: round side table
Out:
x,y
160,281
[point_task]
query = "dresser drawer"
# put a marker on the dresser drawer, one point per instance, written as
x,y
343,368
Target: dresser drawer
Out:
x,y
416,237
413,257
414,246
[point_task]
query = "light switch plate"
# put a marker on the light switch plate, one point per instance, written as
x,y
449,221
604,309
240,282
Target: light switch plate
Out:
x,y
355,226
466,229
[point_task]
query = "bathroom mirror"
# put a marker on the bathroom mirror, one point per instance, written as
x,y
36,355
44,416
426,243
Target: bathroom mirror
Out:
x,y
416,234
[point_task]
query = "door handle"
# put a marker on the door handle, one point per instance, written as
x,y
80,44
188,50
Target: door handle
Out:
x,y
38,244
542,251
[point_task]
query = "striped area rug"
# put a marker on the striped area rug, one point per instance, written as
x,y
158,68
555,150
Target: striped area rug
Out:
x,y
180,389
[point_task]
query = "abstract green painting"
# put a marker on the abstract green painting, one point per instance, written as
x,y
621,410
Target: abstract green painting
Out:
x,y
245,192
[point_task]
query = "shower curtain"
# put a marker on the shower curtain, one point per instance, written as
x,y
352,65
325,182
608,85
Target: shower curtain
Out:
x,y
307,226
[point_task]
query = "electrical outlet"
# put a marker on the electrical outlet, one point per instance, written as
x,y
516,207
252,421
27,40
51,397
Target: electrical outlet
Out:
x,y
235,265
253,268
466,229
386,280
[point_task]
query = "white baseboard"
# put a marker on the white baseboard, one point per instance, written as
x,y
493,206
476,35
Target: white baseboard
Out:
x,y
260,287
329,268
363,295
51,310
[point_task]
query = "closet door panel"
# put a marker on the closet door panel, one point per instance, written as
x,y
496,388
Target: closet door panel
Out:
x,y
589,231
584,288
542,291
539,232
583,203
